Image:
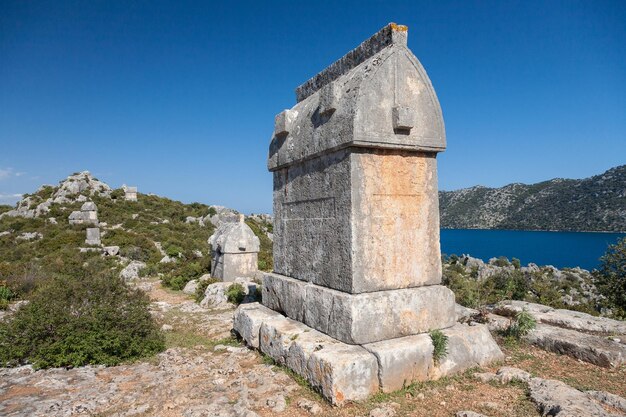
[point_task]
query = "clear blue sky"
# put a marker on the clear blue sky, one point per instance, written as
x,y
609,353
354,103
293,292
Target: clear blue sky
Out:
x,y
179,97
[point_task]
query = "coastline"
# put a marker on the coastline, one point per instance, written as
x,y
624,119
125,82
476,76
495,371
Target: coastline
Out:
x,y
534,230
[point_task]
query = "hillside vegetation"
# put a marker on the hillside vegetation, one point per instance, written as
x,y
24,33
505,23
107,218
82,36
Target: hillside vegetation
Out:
x,y
592,204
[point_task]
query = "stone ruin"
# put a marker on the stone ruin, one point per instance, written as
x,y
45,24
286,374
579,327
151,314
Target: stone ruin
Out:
x,y
93,236
88,214
130,193
356,286
234,251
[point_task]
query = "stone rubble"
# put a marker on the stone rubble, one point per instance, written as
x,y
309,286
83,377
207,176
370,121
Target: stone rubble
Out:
x,y
215,294
131,271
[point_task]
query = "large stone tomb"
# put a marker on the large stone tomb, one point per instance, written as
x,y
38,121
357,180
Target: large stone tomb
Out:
x,y
357,264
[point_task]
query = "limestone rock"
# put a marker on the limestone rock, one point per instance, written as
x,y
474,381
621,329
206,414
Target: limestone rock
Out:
x,y
598,350
111,250
468,414
30,236
191,287
507,374
609,399
222,215
310,406
131,271
384,411
215,294
569,319
556,398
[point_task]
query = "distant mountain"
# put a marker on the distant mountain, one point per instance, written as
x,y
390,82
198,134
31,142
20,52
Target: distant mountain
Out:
x,y
591,204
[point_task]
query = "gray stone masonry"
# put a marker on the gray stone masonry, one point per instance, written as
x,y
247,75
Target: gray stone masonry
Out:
x,y
93,236
234,250
88,214
130,193
357,260
361,318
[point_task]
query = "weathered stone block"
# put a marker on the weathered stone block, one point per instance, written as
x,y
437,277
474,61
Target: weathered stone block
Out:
x,y
348,220
468,346
340,372
329,98
599,350
93,236
404,118
343,372
403,360
248,319
361,318
283,122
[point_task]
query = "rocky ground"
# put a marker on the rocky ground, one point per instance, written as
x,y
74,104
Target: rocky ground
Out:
x,y
204,372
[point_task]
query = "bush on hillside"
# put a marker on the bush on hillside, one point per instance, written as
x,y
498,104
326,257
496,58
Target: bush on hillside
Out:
x,y
91,317
611,277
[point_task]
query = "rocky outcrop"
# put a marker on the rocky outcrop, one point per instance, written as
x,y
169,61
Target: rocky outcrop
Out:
x,y
215,295
579,282
73,189
568,319
556,398
594,203
597,340
131,271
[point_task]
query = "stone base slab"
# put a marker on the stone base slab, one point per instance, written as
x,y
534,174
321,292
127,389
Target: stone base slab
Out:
x,y
360,318
342,372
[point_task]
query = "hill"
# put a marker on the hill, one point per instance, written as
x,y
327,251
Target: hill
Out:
x,y
155,235
591,204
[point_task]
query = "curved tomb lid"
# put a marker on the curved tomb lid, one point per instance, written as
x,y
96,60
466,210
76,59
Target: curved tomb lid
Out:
x,y
235,238
376,96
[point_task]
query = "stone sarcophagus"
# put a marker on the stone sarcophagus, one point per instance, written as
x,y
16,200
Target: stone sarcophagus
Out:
x,y
356,230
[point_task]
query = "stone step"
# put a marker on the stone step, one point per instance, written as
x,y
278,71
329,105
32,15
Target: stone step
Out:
x,y
409,359
342,372
361,318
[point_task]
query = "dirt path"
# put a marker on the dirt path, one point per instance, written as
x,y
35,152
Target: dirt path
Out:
x,y
204,372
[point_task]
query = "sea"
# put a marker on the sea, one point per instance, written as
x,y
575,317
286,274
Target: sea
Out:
x,y
559,249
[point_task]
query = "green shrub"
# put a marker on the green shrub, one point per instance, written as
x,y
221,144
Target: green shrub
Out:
x,y
88,318
178,282
5,293
235,294
611,277
4,304
440,345
501,261
522,325
516,263
173,250
202,286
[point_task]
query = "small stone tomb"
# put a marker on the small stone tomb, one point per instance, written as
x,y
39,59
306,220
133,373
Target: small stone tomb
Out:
x,y
234,249
130,193
88,214
356,286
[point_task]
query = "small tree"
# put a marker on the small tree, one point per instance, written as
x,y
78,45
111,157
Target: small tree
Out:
x,y
611,277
